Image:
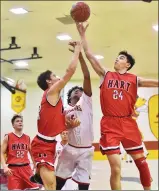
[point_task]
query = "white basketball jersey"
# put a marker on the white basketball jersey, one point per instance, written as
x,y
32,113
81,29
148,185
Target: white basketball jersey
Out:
x,y
81,136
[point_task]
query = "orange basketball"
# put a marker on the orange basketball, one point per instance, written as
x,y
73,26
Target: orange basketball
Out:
x,y
80,12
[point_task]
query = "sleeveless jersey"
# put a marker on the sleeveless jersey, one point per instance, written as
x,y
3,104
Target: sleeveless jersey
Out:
x,y
81,136
17,151
118,94
51,120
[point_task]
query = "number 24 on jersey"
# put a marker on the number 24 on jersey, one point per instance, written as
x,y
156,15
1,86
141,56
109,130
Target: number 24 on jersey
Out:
x,y
117,94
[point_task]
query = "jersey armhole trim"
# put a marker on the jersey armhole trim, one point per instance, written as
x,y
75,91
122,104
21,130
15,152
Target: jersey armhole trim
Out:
x,y
50,103
104,78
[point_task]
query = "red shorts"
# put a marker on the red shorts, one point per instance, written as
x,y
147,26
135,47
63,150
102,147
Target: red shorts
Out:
x,y
115,130
43,152
20,180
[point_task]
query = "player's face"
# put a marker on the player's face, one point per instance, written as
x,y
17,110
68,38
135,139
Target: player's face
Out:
x,y
18,124
121,63
76,94
64,136
53,79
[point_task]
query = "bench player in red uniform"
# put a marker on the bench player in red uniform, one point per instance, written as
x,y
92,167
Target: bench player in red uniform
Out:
x,y
51,121
17,167
118,92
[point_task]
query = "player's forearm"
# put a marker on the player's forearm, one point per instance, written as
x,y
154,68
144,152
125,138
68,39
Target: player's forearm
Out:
x,y
90,56
86,47
3,161
148,83
73,64
84,67
32,158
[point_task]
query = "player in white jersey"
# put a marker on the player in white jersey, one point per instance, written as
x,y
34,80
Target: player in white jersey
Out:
x,y
60,144
77,155
70,184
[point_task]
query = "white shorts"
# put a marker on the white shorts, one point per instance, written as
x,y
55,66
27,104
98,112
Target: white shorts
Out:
x,y
70,185
77,160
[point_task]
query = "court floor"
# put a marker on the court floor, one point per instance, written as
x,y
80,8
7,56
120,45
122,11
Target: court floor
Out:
x,y
130,176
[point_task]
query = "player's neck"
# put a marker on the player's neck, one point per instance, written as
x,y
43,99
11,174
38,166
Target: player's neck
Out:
x,y
64,142
74,101
122,71
18,133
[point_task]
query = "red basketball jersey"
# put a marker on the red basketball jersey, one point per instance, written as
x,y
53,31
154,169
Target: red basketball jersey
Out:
x,y
51,121
17,151
118,94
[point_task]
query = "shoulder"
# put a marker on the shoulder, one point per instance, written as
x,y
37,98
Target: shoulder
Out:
x,y
26,136
85,98
131,75
6,138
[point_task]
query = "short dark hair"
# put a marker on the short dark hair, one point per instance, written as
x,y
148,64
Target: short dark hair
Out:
x,y
15,117
70,92
41,81
130,58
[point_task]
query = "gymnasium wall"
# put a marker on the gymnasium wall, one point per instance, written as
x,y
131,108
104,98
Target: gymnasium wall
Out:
x,y
147,112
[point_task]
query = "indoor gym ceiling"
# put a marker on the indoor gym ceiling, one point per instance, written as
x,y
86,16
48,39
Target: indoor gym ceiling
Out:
x,y
114,26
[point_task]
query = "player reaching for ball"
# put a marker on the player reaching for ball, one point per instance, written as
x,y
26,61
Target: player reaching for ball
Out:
x,y
51,121
118,92
77,154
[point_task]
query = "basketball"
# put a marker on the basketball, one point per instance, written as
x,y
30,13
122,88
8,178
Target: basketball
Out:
x,y
80,12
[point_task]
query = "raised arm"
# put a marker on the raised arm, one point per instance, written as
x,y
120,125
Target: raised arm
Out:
x,y
147,82
94,62
7,170
59,85
87,81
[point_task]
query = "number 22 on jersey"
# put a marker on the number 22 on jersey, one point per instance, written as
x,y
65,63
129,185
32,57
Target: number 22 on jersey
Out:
x,y
118,94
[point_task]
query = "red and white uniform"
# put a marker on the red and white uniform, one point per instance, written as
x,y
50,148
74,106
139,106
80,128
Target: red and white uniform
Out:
x,y
18,162
77,155
70,184
51,122
118,94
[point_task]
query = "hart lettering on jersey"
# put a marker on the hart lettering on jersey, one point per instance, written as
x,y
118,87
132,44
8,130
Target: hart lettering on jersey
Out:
x,y
76,108
119,84
19,146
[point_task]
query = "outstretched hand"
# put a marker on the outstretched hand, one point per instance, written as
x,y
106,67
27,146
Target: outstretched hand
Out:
x,y
75,45
81,28
72,44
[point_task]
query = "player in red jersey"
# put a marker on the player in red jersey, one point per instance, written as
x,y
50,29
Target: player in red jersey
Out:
x,y
51,121
118,92
17,167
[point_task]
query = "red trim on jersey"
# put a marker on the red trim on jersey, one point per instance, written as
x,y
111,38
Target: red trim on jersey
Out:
x,y
80,182
48,100
18,136
104,78
80,147
64,178
62,144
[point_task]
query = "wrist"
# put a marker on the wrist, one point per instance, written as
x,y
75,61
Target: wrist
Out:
x,y
83,36
5,166
80,55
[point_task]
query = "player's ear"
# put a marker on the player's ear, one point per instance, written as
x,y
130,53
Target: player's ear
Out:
x,y
48,81
128,65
